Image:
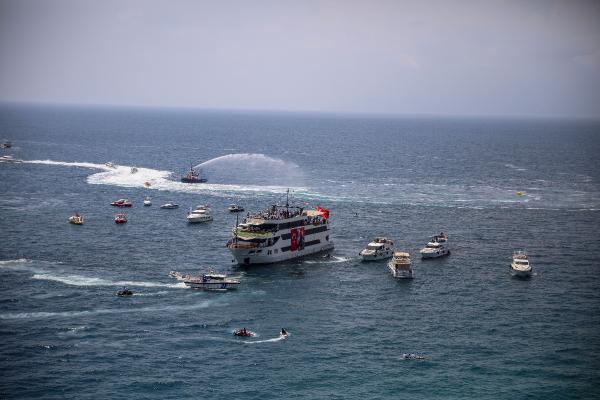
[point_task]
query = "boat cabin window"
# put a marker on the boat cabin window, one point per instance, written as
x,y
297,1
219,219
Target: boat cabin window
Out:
x,y
374,247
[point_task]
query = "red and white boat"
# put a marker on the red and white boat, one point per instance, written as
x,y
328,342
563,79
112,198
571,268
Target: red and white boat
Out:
x,y
120,218
121,203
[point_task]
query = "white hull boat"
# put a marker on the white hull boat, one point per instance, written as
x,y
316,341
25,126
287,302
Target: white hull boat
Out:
x,y
200,214
437,247
400,266
379,249
520,266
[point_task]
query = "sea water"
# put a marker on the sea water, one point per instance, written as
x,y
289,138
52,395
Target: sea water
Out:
x,y
482,332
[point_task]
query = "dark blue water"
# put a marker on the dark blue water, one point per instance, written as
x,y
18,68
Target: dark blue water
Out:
x,y
485,334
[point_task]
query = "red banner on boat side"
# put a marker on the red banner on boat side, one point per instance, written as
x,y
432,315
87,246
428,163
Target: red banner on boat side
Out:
x,y
297,239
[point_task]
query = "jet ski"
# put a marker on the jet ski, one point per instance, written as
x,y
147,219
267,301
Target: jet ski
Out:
x,y
243,332
125,292
284,333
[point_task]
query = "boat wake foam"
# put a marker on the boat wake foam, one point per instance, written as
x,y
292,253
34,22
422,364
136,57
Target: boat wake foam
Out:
x,y
276,339
155,179
83,313
78,280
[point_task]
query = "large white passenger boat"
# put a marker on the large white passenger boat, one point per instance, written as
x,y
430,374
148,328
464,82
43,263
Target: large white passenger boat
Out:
x,y
280,233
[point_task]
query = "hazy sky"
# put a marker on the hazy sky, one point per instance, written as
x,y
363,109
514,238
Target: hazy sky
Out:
x,y
407,57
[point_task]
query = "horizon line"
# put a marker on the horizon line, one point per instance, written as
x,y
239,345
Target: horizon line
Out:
x,y
353,113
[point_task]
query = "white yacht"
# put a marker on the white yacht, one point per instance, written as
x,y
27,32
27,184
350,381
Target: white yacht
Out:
x,y
520,264
400,265
170,205
282,232
147,201
437,247
380,248
207,281
235,208
200,214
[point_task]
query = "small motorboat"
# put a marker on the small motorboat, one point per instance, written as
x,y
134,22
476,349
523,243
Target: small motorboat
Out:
x,y
147,184
134,170
110,165
520,193
170,205
147,201
125,292
76,219
400,265
520,265
121,203
284,334
120,218
412,356
235,208
6,145
178,275
210,280
378,249
243,332
200,214
9,158
436,247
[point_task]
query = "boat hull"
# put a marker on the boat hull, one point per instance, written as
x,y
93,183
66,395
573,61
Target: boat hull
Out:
x,y
193,180
198,220
243,256
377,256
212,285
399,273
520,272
435,254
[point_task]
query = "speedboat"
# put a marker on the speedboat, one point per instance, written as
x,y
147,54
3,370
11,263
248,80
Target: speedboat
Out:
x,y
520,264
437,247
412,356
170,205
121,203
380,248
76,219
209,281
200,214
120,218
192,176
147,201
134,170
178,275
235,208
125,292
6,145
110,165
243,332
284,334
400,266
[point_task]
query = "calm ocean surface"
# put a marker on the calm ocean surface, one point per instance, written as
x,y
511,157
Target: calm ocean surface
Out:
x,y
485,334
